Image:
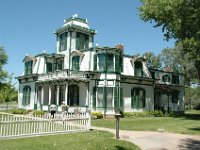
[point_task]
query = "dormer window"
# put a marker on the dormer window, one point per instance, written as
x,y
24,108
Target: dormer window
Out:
x,y
166,78
75,63
82,41
28,67
63,41
138,69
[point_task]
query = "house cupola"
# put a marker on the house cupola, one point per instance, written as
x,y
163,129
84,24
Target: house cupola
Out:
x,y
74,35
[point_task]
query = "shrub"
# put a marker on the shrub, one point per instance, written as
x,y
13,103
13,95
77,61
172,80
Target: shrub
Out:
x,y
143,114
19,111
97,115
38,113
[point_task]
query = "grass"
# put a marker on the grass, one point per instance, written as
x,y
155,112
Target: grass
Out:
x,y
187,124
94,140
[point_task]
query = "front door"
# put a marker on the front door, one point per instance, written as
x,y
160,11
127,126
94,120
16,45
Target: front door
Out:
x,y
73,95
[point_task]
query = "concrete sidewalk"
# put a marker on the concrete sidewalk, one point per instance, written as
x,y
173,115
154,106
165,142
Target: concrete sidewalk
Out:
x,y
158,140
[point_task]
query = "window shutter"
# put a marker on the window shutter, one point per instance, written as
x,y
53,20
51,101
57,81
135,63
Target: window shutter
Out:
x,y
95,62
28,95
86,41
105,97
121,98
116,104
77,41
65,40
117,67
132,98
94,97
121,63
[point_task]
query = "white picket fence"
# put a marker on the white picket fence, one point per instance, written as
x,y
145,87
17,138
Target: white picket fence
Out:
x,y
20,126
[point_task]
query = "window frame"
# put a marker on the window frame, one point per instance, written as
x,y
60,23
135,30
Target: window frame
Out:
x,y
26,96
135,103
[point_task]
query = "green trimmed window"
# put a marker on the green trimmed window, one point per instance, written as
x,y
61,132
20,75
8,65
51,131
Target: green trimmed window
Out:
x,y
166,78
49,67
28,67
110,62
175,79
100,97
75,63
138,69
95,63
118,98
63,41
138,98
105,62
26,95
82,41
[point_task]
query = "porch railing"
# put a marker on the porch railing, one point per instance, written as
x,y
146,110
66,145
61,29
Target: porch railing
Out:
x,y
62,74
19,126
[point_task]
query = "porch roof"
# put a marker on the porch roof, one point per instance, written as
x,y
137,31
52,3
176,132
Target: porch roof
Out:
x,y
167,89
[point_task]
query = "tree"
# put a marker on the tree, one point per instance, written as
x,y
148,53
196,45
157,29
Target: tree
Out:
x,y
179,20
3,61
152,60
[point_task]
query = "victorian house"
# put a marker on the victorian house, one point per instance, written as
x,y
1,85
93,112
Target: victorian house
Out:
x,y
98,78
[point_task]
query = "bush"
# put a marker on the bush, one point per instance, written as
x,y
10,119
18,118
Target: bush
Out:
x,y
97,115
143,114
19,111
38,113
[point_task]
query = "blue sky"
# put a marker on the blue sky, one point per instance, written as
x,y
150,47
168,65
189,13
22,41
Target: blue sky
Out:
x,y
26,27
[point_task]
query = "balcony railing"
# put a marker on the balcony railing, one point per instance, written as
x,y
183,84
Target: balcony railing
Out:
x,y
62,74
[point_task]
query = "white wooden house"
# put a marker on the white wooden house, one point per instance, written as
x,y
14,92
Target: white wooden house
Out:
x,y
99,78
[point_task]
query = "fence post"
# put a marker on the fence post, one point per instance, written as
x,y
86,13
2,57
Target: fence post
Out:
x,y
88,117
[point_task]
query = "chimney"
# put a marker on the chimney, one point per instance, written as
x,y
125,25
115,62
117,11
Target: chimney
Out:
x,y
120,46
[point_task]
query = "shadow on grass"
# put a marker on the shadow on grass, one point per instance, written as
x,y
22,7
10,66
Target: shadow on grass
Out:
x,y
188,116
195,129
120,148
190,144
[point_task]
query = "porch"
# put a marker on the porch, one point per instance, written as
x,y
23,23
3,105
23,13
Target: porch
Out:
x,y
75,93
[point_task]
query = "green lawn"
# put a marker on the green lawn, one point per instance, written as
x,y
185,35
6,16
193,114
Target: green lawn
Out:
x,y
188,124
94,140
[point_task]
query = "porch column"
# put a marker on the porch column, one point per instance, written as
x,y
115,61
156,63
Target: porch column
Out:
x,y
42,96
49,94
36,97
88,96
57,94
66,92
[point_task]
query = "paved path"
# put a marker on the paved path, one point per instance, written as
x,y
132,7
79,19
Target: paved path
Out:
x,y
147,140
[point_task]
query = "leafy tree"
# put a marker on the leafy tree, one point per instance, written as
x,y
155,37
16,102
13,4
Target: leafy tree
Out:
x,y
192,98
180,20
3,61
152,60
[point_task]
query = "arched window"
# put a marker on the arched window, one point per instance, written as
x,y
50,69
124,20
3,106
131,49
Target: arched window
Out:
x,y
26,95
138,98
166,78
75,63
73,95
138,69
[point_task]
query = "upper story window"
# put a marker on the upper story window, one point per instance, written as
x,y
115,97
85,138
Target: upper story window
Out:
x,y
138,69
63,41
175,79
166,78
53,64
75,63
82,41
108,62
26,95
28,67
